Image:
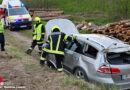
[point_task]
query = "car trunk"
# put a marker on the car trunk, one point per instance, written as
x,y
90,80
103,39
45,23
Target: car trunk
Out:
x,y
120,61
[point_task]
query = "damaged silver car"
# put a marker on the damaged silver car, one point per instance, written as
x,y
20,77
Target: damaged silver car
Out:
x,y
94,57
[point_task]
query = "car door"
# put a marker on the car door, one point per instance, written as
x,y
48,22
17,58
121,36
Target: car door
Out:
x,y
73,51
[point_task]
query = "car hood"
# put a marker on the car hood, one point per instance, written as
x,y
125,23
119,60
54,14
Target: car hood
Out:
x,y
65,26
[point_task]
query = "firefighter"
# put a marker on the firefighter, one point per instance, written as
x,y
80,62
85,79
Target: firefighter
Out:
x,y
38,36
2,39
55,46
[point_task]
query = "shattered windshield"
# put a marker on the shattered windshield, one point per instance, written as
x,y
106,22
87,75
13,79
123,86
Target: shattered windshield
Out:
x,y
17,11
118,58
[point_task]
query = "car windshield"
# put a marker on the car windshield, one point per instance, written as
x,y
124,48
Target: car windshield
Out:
x,y
118,58
17,11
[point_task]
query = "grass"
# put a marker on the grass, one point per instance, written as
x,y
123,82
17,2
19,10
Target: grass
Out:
x,y
14,54
83,85
85,31
112,8
27,33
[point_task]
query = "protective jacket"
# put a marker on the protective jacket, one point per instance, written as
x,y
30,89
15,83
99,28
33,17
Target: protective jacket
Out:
x,y
38,32
1,27
56,42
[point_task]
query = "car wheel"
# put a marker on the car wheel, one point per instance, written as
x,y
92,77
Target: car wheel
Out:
x,y
80,73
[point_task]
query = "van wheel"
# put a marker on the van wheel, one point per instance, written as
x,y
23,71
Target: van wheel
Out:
x,y
80,73
29,27
10,28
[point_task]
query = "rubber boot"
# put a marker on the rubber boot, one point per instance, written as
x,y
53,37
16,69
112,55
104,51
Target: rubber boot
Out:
x,y
29,51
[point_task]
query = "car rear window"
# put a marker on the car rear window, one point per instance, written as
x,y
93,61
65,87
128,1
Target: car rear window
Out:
x,y
118,58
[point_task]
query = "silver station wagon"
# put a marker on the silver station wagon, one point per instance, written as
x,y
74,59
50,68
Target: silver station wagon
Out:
x,y
94,57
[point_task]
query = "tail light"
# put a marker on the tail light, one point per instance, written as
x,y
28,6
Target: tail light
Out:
x,y
108,70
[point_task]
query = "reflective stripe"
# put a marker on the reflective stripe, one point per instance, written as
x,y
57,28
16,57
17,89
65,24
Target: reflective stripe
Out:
x,y
55,33
72,38
38,34
57,47
42,58
30,48
60,69
51,43
48,41
39,42
53,51
66,36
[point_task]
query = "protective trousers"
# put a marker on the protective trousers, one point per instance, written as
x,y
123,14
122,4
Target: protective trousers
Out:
x,y
34,43
2,41
59,60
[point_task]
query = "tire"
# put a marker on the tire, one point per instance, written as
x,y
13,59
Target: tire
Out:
x,y
80,73
10,28
29,27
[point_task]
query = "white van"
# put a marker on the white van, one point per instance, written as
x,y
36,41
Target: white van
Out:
x,y
16,15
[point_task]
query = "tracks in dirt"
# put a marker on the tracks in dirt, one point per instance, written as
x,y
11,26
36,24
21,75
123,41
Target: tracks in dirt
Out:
x,y
22,42
27,71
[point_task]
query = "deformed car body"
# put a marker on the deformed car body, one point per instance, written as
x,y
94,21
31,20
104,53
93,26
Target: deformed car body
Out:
x,y
96,57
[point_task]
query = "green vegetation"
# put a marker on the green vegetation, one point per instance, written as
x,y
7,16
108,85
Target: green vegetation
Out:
x,y
83,85
101,11
110,10
26,32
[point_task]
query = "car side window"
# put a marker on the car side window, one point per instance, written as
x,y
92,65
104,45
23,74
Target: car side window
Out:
x,y
68,44
90,51
80,46
76,46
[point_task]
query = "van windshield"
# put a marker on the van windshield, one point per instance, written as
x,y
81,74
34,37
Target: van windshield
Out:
x,y
17,11
118,58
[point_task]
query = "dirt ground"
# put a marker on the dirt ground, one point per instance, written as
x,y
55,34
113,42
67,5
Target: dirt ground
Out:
x,y
24,70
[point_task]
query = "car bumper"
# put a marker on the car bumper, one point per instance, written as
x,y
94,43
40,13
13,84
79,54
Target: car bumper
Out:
x,y
21,24
109,81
